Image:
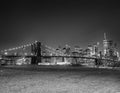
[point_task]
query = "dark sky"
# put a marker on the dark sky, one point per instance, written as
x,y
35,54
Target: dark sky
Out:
x,y
58,22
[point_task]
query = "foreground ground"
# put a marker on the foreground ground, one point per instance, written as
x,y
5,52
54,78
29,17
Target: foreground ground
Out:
x,y
42,79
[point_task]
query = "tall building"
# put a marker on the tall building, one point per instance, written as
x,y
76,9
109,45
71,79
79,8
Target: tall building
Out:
x,y
116,53
90,47
107,46
95,50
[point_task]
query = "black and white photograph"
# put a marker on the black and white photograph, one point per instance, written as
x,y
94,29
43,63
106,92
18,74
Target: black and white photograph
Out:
x,y
60,46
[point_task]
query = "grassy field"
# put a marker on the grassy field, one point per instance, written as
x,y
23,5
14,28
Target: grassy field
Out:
x,y
58,79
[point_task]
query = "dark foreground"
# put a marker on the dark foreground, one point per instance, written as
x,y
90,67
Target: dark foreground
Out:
x,y
58,79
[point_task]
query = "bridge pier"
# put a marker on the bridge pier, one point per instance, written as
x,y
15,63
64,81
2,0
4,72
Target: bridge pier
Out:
x,y
33,60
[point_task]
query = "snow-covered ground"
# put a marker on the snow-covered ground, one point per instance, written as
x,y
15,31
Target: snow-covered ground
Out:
x,y
78,80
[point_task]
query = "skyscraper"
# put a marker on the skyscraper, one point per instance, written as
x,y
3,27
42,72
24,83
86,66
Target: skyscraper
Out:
x,y
90,47
95,49
107,46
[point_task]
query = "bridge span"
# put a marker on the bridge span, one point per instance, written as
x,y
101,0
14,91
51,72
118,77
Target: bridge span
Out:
x,y
39,52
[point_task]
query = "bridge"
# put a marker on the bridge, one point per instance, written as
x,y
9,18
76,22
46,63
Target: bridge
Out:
x,y
38,51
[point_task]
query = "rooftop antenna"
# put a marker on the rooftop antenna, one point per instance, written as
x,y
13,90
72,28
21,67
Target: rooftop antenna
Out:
x,y
105,36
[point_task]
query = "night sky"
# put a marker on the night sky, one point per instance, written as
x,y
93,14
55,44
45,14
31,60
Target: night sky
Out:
x,y
58,22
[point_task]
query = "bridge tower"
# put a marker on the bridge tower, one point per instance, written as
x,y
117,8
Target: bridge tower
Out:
x,y
36,50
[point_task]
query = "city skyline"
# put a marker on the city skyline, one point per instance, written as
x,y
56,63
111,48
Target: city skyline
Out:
x,y
59,23
107,44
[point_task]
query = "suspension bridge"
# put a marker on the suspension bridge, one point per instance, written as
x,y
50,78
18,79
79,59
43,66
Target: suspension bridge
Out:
x,y
38,51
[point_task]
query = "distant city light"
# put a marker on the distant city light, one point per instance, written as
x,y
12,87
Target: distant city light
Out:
x,y
31,54
25,53
6,53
